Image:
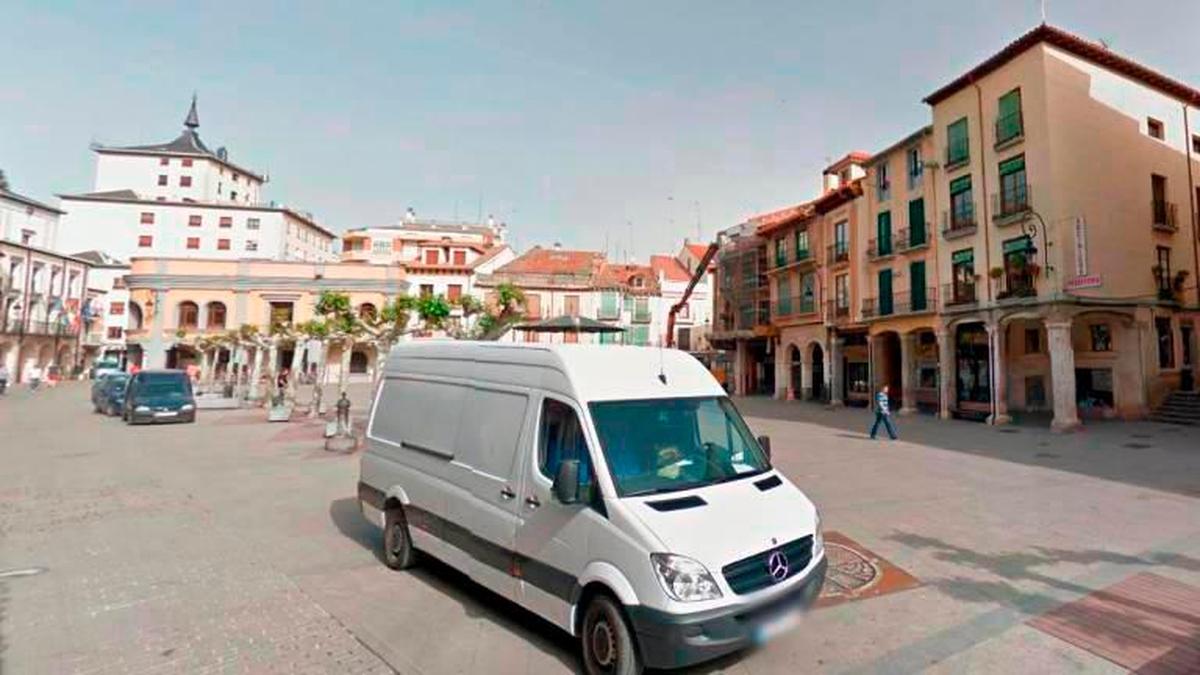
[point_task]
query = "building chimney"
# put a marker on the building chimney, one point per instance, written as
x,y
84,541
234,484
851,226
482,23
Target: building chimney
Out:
x,y
830,182
557,246
410,216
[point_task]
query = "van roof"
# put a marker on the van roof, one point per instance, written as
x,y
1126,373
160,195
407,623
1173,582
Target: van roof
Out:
x,y
585,372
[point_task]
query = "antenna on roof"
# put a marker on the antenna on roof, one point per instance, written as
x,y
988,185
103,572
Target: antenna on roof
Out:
x,y
1043,12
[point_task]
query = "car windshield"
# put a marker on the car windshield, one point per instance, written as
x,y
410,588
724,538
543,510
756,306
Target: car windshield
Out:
x,y
116,382
173,386
663,445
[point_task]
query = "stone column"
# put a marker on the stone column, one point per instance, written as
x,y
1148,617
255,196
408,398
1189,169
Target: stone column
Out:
x,y
908,379
806,376
783,383
739,368
946,359
1062,375
155,355
837,387
998,344
202,316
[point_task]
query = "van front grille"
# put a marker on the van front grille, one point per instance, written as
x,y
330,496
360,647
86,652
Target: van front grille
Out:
x,y
752,574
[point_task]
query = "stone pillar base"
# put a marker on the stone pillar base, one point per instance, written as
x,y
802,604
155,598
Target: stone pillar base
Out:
x,y
1065,427
906,410
836,403
999,419
945,413
806,393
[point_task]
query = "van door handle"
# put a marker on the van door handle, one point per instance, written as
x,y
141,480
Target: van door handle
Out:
x,y
506,493
532,501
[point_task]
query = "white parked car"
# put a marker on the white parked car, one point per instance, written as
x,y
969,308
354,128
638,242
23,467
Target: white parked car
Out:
x,y
615,491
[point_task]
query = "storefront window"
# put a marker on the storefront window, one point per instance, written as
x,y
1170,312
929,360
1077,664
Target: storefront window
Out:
x,y
1101,338
974,381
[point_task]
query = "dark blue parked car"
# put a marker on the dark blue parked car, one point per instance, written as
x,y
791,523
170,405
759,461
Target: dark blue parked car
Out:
x,y
110,400
159,396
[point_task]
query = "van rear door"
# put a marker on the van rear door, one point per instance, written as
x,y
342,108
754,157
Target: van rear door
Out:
x,y
485,464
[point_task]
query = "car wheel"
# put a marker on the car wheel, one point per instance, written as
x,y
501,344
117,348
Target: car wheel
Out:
x,y
608,647
398,551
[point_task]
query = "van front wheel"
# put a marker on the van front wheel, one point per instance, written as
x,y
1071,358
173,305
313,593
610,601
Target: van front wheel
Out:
x,y
398,551
608,647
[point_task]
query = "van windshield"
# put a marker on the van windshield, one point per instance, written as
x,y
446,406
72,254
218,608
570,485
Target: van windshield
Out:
x,y
663,445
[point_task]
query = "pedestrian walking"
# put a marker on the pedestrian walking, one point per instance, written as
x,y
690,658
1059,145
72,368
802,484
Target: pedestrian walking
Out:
x,y
35,377
883,414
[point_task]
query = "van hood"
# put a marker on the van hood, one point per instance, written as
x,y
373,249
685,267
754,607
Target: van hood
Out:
x,y
737,520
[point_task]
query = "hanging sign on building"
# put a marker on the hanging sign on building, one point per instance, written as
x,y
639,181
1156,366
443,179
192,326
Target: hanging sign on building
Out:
x,y
1083,281
1081,261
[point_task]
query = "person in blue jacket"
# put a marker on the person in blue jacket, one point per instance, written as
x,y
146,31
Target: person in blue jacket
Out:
x,y
883,414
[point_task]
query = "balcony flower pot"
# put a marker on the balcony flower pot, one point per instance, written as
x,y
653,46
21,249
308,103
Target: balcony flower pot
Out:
x,y
1034,269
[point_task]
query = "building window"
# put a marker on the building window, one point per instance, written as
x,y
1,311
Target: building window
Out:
x,y
1033,341
958,148
962,204
883,182
1166,342
186,161
426,290
1014,193
145,241
801,244
226,221
1018,277
185,181
609,305
251,245
162,179
193,243
453,292
216,315
189,314
841,240
147,218
252,224
431,257
222,244
916,222
963,275
1035,392
1009,124
114,332
1155,128
533,305
1162,268
1163,210
116,308
842,293
808,297
460,258
233,196
281,313
1196,144
163,161
883,233
195,221
1101,337
915,168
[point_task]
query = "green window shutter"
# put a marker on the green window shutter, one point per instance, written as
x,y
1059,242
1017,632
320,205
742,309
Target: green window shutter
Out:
x,y
916,283
885,291
1012,166
960,184
958,142
966,255
1008,118
1018,245
916,222
608,305
883,230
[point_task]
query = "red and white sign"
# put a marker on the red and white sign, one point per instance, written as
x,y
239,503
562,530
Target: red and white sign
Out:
x,y
1085,281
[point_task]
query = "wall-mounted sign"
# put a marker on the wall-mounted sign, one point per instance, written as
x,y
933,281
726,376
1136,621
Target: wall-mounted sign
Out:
x,y
1083,281
1081,261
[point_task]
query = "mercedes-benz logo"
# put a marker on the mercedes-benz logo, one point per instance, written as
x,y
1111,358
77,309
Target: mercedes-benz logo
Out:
x,y
777,566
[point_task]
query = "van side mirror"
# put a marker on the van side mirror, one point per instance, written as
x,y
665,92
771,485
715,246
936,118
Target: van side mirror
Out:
x,y
765,442
566,482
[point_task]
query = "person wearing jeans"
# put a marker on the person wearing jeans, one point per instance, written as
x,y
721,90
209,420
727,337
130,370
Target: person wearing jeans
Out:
x,y
883,414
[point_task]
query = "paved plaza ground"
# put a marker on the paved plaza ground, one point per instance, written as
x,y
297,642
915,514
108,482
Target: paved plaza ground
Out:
x,y
232,545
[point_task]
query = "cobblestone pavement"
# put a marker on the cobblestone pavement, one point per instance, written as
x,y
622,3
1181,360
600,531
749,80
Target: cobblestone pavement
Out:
x,y
232,545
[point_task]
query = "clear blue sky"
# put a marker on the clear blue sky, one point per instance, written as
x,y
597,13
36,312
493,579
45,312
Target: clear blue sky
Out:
x,y
569,120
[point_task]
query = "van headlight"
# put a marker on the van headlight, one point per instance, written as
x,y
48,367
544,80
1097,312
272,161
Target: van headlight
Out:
x,y
684,579
818,536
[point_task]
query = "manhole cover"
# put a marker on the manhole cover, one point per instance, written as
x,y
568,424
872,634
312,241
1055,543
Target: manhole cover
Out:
x,y
1137,446
855,572
849,572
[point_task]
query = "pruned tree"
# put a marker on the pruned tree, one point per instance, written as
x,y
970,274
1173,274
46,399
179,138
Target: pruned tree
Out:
x,y
387,326
506,308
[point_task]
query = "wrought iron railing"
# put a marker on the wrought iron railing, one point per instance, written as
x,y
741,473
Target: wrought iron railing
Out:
x,y
959,294
1166,215
959,221
905,302
1011,200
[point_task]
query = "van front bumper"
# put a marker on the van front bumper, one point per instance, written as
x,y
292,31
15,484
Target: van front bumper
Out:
x,y
676,640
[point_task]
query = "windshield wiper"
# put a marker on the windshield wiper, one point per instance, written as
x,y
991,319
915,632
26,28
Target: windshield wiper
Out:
x,y
664,489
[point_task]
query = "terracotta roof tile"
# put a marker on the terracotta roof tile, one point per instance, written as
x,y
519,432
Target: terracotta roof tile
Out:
x,y
625,278
538,260
670,268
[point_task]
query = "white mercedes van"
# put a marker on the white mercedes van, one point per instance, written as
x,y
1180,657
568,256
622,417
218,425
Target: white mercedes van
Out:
x,y
615,491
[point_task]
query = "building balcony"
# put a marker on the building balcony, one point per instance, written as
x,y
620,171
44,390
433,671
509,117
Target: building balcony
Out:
x,y
795,305
911,239
838,253
1011,204
837,313
18,326
1165,216
1017,292
959,223
899,304
959,295
1010,130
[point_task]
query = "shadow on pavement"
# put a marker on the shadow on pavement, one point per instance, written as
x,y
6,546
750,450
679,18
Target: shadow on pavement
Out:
x,y
1163,457
478,602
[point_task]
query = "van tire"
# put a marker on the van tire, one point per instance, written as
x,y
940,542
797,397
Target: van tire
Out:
x,y
608,646
398,551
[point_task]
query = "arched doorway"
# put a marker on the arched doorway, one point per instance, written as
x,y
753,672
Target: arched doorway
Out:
x,y
972,380
818,373
358,361
797,372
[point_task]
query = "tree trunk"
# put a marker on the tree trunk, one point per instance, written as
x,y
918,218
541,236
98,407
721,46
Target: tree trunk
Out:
x,y
272,368
297,354
256,376
344,375
318,392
